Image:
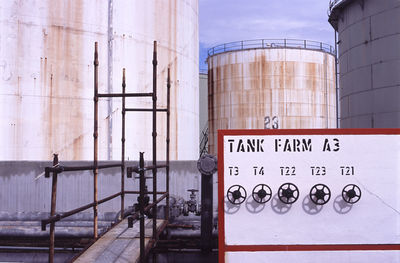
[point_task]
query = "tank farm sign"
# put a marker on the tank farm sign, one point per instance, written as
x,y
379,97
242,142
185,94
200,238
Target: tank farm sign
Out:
x,y
309,195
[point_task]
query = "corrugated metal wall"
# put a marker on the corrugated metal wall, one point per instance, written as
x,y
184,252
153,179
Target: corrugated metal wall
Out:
x,y
24,195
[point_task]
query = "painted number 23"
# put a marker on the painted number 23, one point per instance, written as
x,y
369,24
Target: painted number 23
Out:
x,y
267,123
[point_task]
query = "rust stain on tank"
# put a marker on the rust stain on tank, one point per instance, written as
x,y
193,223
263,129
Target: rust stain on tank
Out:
x,y
289,90
76,152
50,115
18,137
170,17
61,81
310,72
17,122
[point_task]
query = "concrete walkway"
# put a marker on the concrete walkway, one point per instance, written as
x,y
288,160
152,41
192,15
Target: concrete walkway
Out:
x,y
120,244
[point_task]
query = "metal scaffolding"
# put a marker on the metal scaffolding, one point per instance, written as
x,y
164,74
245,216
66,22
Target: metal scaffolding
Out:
x,y
57,168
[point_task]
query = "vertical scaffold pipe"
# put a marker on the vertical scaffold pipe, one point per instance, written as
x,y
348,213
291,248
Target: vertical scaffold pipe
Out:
x,y
95,136
168,139
53,209
123,147
336,81
154,134
142,189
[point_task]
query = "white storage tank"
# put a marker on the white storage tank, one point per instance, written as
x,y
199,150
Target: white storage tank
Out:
x,y
46,77
369,60
285,84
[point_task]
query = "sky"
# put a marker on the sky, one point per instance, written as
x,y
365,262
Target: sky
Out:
x,y
222,21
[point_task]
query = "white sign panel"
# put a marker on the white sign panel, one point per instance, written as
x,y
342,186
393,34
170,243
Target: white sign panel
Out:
x,y
309,190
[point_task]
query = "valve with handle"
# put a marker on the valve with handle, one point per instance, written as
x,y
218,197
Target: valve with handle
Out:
x,y
351,193
261,193
236,194
320,194
191,206
288,193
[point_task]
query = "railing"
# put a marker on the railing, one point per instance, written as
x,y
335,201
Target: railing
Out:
x,y
332,4
203,71
271,43
57,169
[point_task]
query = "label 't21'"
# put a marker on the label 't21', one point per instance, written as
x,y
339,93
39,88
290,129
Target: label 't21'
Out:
x,y
347,170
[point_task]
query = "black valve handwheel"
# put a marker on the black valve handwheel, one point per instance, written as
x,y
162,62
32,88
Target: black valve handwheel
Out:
x,y
236,194
261,193
351,193
288,193
320,194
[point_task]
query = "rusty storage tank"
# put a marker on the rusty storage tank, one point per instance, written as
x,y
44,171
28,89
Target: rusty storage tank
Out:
x,y
46,76
257,84
369,61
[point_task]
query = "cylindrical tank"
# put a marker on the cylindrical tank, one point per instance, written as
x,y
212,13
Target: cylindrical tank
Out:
x,y
46,77
288,84
369,62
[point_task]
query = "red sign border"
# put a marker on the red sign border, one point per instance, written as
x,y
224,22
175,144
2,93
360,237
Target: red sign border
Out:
x,y
223,248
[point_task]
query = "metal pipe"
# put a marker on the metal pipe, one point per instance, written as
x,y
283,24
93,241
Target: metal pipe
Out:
x,y
154,134
95,142
58,217
138,192
117,95
141,109
179,250
156,202
326,90
61,168
206,211
141,207
336,81
149,206
168,140
183,226
123,146
155,167
53,209
189,233
136,169
110,64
